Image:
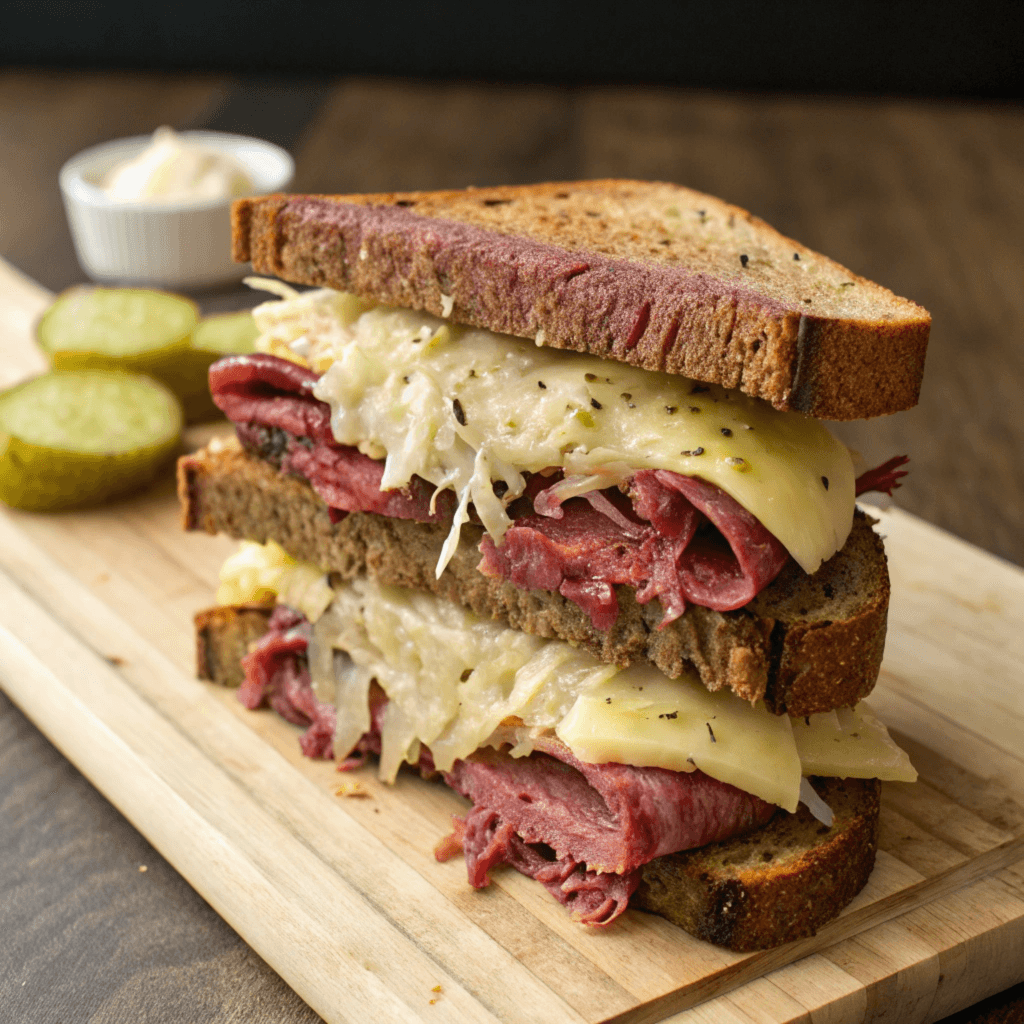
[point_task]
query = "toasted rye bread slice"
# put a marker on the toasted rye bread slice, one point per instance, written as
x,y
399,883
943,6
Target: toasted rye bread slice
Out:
x,y
646,273
224,636
780,883
805,644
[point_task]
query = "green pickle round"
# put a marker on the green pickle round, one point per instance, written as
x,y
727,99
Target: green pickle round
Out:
x,y
78,437
132,329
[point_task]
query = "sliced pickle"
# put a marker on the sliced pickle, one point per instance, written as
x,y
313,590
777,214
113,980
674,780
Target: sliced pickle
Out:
x,y
77,437
144,331
225,334
132,329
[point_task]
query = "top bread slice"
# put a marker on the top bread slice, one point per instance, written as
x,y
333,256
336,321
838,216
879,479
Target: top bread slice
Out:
x,y
646,273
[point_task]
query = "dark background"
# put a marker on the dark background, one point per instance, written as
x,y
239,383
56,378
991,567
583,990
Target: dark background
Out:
x,y
900,47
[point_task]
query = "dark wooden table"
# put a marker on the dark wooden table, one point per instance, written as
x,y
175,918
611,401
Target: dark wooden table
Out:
x,y
925,197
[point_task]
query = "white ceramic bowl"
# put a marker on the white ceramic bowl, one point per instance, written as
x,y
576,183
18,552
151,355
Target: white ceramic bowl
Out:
x,y
171,245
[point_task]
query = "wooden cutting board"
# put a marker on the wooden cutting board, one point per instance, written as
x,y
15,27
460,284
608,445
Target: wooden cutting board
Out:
x,y
335,885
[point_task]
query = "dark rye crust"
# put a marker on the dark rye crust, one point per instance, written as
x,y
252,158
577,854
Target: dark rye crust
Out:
x,y
645,273
224,635
806,644
780,883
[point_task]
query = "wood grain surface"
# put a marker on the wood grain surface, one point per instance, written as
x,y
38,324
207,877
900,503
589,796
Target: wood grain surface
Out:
x,y
925,197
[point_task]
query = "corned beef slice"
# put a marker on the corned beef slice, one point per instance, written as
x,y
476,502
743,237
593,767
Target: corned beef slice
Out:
x,y
653,546
884,478
582,830
613,818
277,673
261,394
595,898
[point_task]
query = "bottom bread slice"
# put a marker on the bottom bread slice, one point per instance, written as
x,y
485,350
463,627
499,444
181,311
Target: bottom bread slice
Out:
x,y
805,644
779,883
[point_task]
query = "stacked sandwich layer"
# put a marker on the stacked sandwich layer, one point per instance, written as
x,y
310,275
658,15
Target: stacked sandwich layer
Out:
x,y
627,614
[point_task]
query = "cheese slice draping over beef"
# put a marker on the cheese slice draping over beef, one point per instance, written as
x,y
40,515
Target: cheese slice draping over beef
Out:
x,y
581,830
676,538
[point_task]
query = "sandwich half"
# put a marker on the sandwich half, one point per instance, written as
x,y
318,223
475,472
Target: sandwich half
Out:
x,y
535,502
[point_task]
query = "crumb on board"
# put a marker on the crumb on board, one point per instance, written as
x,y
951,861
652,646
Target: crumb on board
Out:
x,y
353,789
114,659
143,869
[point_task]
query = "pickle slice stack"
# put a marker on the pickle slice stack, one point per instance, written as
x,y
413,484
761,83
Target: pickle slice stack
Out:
x,y
78,437
144,331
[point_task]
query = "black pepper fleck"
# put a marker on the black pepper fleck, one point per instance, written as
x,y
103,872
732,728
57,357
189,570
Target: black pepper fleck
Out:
x,y
670,714
406,378
711,732
596,404
726,432
626,395
607,700
694,408
699,389
670,409
542,385
459,414
824,481
796,255
694,451
744,259
590,377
